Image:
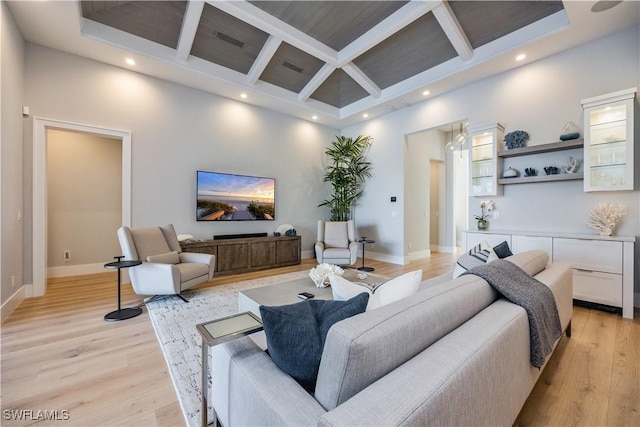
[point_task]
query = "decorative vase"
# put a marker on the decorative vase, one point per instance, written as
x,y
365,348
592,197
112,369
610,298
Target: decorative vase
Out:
x,y
569,131
511,173
482,224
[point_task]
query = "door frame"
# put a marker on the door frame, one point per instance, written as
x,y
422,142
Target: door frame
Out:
x,y
39,238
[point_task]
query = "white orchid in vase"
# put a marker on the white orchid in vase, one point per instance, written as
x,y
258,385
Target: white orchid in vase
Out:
x,y
482,218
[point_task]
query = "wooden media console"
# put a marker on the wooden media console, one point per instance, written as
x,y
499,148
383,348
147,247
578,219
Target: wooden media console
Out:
x,y
249,254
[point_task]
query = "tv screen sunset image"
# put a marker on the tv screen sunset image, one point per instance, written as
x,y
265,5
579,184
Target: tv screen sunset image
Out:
x,y
228,197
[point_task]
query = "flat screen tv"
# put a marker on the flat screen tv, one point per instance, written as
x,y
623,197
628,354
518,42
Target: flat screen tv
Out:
x,y
228,197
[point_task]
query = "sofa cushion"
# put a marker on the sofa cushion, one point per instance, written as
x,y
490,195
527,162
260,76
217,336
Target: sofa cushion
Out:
x,y
296,333
382,294
533,261
168,258
478,255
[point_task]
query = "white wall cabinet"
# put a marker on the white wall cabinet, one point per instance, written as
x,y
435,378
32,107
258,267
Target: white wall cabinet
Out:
x,y
484,162
603,267
608,141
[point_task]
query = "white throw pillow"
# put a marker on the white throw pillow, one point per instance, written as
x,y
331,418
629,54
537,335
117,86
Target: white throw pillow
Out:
x,y
478,255
392,290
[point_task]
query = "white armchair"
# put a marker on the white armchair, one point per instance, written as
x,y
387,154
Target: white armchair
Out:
x,y
165,269
336,243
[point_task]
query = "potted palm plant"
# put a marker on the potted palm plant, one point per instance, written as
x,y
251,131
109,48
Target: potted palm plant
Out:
x,y
346,174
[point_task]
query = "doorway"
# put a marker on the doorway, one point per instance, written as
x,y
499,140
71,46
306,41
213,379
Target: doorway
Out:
x,y
436,195
40,183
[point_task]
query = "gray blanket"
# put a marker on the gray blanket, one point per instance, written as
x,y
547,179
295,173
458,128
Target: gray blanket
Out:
x,y
532,295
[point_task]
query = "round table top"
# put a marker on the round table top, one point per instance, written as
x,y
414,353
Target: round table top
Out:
x,y
123,264
366,241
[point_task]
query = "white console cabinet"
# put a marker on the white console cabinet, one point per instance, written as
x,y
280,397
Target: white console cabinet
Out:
x,y
603,267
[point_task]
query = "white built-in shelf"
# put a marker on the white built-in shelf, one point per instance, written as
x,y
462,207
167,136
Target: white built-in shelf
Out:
x,y
539,149
542,178
543,148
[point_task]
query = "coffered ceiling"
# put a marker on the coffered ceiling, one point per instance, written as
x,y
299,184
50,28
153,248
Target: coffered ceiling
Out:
x,y
332,61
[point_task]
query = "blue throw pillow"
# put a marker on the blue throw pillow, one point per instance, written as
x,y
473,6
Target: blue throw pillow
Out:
x,y
502,250
296,333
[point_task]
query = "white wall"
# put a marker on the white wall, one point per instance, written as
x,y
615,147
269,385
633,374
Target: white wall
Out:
x,y
539,97
11,181
177,131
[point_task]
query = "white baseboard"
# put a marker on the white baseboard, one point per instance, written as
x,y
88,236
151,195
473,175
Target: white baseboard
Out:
x,y
419,254
10,304
75,270
307,254
400,260
444,249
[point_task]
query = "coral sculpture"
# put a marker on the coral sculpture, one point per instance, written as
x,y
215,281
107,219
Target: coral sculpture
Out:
x,y
516,139
320,274
604,218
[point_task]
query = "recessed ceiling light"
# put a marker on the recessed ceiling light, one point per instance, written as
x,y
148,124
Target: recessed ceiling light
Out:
x,y
426,92
130,61
365,115
243,95
521,57
315,117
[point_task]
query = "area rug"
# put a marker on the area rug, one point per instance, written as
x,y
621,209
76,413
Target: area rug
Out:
x,y
175,324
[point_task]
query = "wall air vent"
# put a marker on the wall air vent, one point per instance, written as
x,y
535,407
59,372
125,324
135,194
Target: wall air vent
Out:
x,y
228,39
290,66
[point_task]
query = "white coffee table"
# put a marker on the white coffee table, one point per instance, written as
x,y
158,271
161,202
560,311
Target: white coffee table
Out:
x,y
287,292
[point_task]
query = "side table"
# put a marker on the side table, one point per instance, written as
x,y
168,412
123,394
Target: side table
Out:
x,y
364,241
122,313
216,332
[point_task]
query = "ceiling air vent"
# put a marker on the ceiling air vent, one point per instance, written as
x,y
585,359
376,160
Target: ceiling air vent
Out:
x,y
228,39
290,66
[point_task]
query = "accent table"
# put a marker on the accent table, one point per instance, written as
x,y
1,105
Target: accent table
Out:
x,y
216,332
364,241
122,313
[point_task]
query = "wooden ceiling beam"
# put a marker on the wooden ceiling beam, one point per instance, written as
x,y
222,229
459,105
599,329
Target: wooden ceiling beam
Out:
x,y
452,28
270,24
316,81
385,28
362,79
189,27
268,50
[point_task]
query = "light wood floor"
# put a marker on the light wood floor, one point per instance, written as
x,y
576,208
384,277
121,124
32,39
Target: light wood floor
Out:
x,y
58,354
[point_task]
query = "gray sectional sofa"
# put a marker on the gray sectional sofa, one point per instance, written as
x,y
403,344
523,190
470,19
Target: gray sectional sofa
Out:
x,y
454,354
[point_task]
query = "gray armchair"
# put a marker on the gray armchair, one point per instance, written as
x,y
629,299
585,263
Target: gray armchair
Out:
x,y
165,269
336,242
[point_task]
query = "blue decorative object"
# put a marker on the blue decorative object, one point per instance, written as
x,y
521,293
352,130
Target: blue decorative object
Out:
x,y
530,172
516,139
551,170
290,232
